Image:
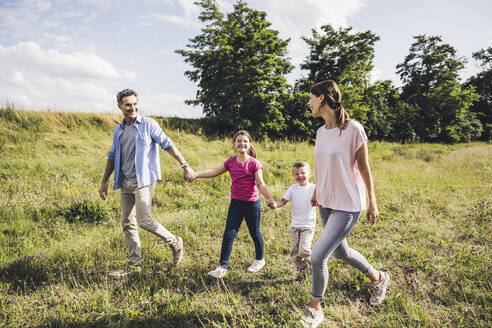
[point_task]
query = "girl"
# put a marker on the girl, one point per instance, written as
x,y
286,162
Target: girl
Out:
x,y
342,171
247,179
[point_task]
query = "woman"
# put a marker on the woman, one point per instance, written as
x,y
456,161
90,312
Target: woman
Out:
x,y
342,170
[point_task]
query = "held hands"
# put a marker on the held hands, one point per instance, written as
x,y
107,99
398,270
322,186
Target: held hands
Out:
x,y
372,212
272,203
314,200
188,174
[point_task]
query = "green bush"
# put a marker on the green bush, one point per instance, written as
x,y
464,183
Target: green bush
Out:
x,y
87,211
429,155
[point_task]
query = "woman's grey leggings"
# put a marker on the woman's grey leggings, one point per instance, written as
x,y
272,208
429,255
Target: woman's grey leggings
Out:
x,y
336,226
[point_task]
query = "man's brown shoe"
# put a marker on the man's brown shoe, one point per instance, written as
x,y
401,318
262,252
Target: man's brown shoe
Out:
x,y
177,250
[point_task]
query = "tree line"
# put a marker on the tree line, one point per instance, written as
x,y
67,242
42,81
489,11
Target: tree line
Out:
x,y
240,64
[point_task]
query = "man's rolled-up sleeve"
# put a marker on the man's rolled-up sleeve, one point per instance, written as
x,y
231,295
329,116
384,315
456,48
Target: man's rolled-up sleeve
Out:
x,y
111,153
159,137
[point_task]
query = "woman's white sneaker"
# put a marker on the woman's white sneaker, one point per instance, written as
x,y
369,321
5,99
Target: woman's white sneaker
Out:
x,y
378,289
218,273
257,265
312,318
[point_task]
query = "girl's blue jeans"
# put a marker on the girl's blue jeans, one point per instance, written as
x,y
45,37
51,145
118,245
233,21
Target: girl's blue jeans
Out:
x,y
239,209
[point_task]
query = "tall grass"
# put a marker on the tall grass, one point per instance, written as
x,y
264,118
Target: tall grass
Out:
x,y
433,236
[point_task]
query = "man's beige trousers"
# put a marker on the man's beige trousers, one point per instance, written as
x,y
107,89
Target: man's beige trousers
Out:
x,y
135,209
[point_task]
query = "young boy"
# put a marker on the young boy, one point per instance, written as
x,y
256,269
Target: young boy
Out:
x,y
303,216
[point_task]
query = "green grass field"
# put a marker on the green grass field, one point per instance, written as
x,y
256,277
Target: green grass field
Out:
x,y
433,236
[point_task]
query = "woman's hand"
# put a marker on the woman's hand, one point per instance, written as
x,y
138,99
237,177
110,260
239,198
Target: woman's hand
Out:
x,y
314,200
372,212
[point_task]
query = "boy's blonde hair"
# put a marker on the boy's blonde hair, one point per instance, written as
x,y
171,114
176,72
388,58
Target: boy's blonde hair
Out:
x,y
300,164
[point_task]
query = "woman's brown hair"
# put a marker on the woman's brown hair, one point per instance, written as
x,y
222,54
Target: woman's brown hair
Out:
x,y
332,97
251,150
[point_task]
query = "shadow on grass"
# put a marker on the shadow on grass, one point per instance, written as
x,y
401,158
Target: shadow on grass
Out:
x,y
245,287
29,273
23,272
190,319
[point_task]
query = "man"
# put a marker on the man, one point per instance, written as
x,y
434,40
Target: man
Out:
x,y
134,157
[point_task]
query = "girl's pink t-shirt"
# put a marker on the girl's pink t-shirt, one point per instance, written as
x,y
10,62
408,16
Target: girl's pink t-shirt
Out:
x,y
243,186
339,185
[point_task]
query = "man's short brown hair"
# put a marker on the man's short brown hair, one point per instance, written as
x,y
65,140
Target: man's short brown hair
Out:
x,y
125,93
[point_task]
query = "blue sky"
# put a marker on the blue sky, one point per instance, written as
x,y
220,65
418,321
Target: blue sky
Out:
x,y
75,55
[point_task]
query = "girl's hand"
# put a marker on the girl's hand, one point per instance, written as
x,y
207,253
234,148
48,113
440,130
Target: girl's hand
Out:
x,y
372,212
188,174
272,204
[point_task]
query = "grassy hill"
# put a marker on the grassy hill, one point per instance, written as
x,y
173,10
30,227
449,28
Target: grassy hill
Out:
x,y
433,237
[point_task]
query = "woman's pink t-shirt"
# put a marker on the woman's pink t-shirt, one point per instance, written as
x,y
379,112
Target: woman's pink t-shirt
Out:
x,y
243,186
339,185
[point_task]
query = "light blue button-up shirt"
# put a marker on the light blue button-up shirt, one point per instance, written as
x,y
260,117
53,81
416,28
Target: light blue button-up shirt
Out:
x,y
148,135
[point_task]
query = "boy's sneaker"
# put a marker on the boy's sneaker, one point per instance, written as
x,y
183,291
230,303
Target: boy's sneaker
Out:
x,y
312,318
256,266
302,273
129,269
177,250
218,273
378,289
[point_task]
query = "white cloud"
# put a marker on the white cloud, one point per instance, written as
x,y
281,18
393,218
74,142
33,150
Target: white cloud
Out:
x,y
105,4
62,68
85,65
190,9
292,18
9,20
158,2
189,17
58,37
36,78
296,18
175,20
40,5
376,74
167,104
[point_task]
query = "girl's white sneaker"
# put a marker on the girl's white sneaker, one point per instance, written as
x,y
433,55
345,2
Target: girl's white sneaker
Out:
x,y
256,266
218,273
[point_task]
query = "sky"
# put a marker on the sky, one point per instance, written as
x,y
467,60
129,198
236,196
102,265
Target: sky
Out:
x,y
75,55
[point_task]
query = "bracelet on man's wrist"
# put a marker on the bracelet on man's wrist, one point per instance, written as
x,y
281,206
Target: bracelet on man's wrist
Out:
x,y
185,164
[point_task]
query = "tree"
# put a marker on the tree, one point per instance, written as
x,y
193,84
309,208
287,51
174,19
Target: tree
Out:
x,y
381,98
300,123
345,57
482,82
403,122
239,65
431,76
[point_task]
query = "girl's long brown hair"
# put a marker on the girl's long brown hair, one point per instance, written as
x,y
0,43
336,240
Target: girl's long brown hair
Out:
x,y
251,150
332,97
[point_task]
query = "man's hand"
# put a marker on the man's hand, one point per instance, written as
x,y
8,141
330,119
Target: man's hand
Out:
x,y
372,212
188,174
103,190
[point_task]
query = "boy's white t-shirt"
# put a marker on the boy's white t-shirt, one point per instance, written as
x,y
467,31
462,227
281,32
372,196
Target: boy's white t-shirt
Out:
x,y
303,214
